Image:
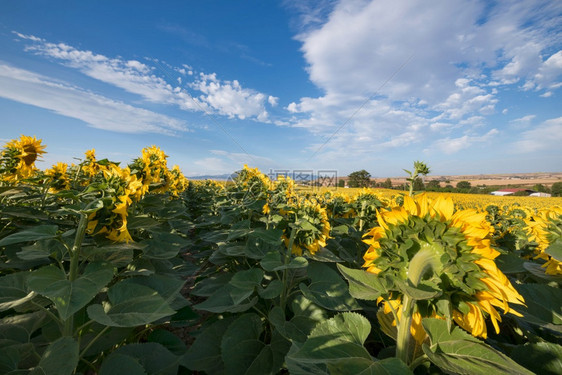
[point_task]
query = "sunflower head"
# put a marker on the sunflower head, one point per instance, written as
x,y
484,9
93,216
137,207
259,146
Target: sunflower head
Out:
x,y
309,221
59,177
19,157
545,230
467,282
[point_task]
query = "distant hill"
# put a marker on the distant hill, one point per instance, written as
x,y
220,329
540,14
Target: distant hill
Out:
x,y
218,177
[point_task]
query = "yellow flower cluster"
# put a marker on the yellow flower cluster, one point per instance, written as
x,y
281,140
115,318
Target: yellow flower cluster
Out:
x,y
544,228
147,174
18,158
494,290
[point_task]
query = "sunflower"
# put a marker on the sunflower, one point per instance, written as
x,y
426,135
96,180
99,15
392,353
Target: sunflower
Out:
x,y
19,157
310,222
59,177
544,229
459,242
111,219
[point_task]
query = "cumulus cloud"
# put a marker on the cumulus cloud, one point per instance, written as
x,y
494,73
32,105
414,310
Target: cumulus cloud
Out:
x,y
95,110
452,145
403,73
546,136
226,98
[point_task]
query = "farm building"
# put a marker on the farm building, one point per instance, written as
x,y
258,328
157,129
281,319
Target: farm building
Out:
x,y
512,191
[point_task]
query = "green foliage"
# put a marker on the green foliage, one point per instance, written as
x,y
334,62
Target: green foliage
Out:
x,y
360,178
556,189
463,185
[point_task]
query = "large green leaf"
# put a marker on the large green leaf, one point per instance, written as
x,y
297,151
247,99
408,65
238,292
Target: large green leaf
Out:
x,y
555,249
164,245
33,234
60,358
340,337
205,353
542,357
327,289
70,296
211,284
167,287
228,299
240,344
151,358
244,353
544,303
460,353
362,366
362,284
296,329
13,290
272,262
130,305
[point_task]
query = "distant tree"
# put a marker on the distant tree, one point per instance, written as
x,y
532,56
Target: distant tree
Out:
x,y
463,185
418,184
556,189
540,188
433,185
387,184
341,182
449,188
360,178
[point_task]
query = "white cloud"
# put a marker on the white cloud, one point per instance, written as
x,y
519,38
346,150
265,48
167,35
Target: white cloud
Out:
x,y
463,56
97,111
227,98
227,162
546,136
453,145
522,122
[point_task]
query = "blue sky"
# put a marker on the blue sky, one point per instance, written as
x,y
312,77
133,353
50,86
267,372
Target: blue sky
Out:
x,y
467,86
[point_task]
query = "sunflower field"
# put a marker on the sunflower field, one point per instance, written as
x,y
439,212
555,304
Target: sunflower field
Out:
x,y
132,269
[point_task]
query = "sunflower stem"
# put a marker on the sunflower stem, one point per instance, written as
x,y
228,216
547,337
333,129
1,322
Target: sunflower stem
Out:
x,y
285,270
426,258
74,261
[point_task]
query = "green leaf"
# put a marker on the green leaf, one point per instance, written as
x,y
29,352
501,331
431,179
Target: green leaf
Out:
x,y
119,364
130,305
205,353
60,358
13,290
273,290
327,289
362,366
40,232
164,245
541,358
325,255
510,263
141,222
539,272
362,284
167,339
544,303
460,353
151,358
340,337
167,287
555,249
211,284
240,344
247,279
70,296
268,236
297,329
421,292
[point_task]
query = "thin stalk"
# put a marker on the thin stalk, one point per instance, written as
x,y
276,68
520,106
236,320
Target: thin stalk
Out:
x,y
424,259
93,341
286,261
74,262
